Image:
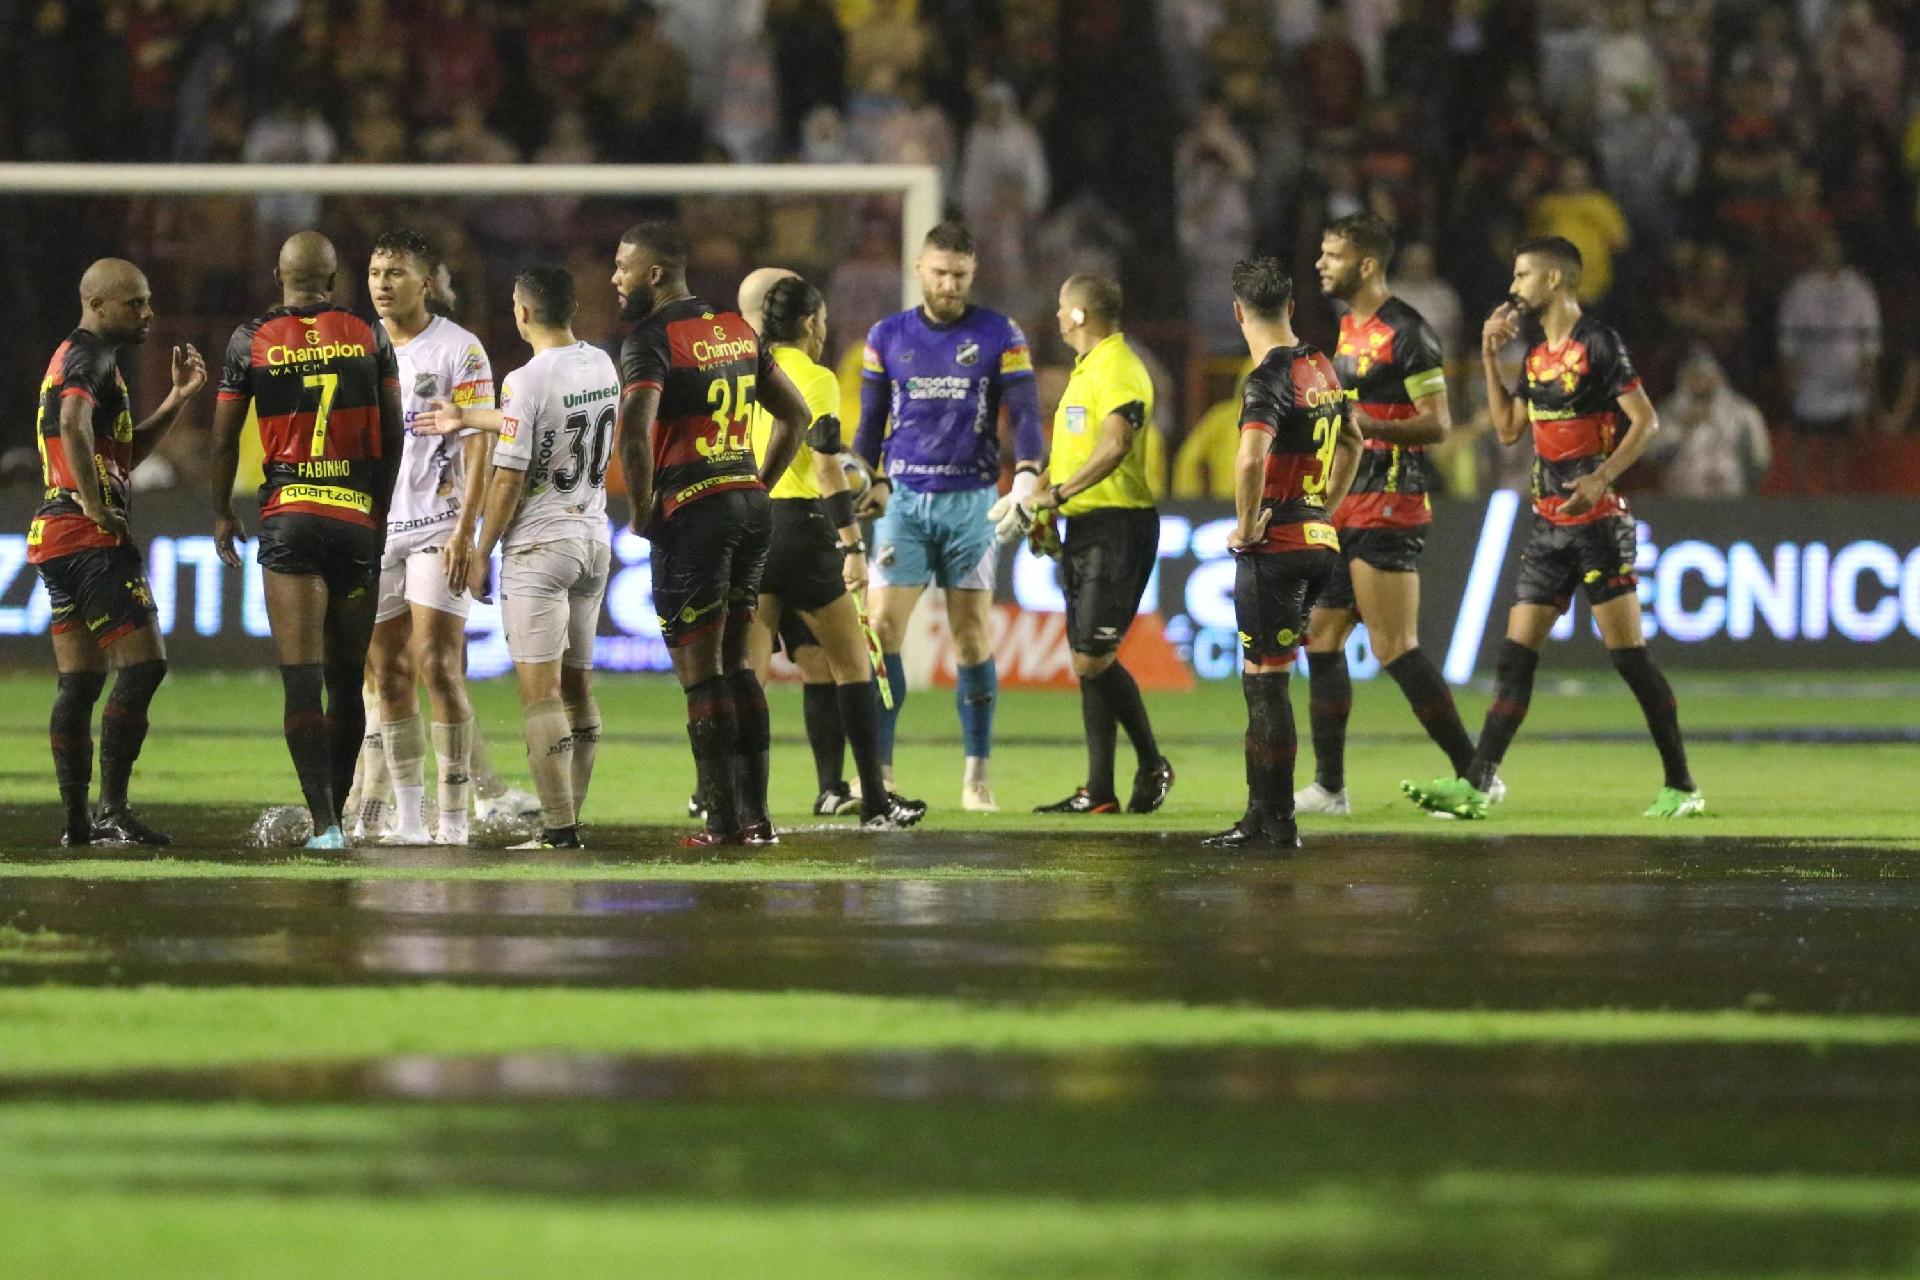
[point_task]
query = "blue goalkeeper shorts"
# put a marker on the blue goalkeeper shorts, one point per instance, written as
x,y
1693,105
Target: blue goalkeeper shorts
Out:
x,y
943,538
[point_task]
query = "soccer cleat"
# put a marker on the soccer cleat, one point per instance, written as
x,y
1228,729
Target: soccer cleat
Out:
x,y
512,804
452,829
410,837
696,807
1496,790
1675,803
79,838
120,826
332,838
977,797
1081,801
899,814
1314,798
1455,797
708,839
550,838
836,800
758,835
369,820
1255,831
1150,787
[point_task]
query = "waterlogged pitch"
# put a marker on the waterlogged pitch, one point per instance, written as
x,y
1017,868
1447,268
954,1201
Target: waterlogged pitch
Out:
x,y
1565,1042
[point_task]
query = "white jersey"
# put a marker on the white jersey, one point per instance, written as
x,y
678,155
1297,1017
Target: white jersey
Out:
x,y
557,414
443,362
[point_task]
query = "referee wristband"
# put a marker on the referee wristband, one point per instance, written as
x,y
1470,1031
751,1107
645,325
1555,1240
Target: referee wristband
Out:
x,y
839,507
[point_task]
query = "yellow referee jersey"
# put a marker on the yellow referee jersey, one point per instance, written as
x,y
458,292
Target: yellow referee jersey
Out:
x,y
1106,380
822,392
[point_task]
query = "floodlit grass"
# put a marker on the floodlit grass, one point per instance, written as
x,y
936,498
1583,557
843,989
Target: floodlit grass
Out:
x,y
53,1031
271,867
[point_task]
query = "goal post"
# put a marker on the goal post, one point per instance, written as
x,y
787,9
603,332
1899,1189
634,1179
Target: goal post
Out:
x,y
918,186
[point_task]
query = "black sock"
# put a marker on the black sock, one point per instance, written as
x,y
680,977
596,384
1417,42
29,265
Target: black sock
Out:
x,y
1432,704
1512,691
309,740
1271,744
1329,700
347,722
821,706
1101,729
1123,698
70,733
860,716
715,734
1657,704
754,741
123,727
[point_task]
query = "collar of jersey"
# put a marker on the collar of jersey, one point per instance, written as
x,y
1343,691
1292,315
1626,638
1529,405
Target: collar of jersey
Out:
x,y
946,326
1098,347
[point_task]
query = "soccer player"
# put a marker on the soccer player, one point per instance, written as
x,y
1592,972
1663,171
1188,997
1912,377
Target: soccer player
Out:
x,y
421,627
325,387
82,545
1389,363
690,376
1098,470
933,380
1299,448
1577,383
545,503
817,557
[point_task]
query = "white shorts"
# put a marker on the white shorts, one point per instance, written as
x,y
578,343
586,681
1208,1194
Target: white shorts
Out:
x,y
417,577
550,595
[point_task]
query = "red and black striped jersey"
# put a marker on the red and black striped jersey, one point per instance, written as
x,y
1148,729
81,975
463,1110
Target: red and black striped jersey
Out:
x,y
314,374
1388,363
706,365
1294,396
82,368
1572,393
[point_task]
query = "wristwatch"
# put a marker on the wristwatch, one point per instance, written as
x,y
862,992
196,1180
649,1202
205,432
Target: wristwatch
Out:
x,y
1055,498
852,548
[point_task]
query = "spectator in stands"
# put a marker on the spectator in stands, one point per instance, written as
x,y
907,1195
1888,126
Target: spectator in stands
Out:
x,y
291,130
1713,442
1416,283
1330,73
1749,163
641,92
1830,342
371,48
455,46
1002,148
376,131
1684,45
1587,216
1650,163
810,59
1706,305
1622,57
1769,56
468,140
887,44
1861,63
1214,222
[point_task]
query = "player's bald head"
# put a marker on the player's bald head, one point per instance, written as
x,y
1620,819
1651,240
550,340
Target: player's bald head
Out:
x,y
754,290
1098,296
308,261
111,280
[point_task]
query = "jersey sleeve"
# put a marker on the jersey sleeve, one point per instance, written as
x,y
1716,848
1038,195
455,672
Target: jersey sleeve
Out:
x,y
1263,403
1612,365
822,391
1418,350
1128,393
473,378
87,372
1016,357
514,450
385,359
236,369
873,357
644,358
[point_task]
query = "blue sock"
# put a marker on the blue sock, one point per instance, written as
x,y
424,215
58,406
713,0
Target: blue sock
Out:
x,y
975,690
890,716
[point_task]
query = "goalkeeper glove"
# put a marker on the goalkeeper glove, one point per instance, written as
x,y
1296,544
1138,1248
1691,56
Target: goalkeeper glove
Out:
x,y
1012,516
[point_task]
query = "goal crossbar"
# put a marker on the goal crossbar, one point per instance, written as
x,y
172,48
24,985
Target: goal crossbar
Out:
x,y
917,185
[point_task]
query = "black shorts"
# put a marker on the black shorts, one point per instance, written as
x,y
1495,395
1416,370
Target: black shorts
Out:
x,y
793,633
803,566
1272,595
1106,558
103,589
1388,550
1597,557
346,555
708,559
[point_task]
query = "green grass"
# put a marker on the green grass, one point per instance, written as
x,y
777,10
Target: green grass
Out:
x,y
215,741
58,1031
649,869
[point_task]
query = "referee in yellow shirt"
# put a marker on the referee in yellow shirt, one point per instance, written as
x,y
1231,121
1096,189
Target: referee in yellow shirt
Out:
x,y
1097,474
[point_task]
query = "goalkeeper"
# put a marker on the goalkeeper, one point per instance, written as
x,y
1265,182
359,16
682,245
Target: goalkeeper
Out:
x,y
933,382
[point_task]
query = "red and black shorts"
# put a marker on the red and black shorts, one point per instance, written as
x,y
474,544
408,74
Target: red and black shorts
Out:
x,y
1386,549
103,589
1272,595
1596,557
708,559
1105,561
346,555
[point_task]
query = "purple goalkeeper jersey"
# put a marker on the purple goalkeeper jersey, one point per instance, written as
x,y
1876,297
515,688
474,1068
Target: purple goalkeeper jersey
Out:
x,y
940,388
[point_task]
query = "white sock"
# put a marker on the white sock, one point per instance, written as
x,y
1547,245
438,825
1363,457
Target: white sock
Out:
x,y
406,745
976,772
370,784
550,759
452,744
487,784
584,716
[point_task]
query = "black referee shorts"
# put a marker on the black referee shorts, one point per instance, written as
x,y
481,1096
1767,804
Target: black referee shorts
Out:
x,y
803,565
708,559
1597,557
1106,558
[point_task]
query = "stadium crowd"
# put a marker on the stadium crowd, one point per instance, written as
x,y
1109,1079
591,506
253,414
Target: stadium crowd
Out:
x,y
1740,176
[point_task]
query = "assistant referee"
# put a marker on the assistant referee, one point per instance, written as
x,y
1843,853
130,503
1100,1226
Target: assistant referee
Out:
x,y
1098,474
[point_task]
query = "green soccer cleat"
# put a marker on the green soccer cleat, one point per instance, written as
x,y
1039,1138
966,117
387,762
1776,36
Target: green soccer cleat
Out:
x,y
1455,797
1675,803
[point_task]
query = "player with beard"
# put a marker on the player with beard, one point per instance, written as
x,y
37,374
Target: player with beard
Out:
x,y
1389,363
690,377
82,545
1577,384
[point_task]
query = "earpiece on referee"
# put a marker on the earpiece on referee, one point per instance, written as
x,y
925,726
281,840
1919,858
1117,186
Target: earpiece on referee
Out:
x,y
1077,315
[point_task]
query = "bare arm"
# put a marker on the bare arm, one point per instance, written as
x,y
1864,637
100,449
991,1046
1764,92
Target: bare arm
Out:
x,y
443,419
638,408
1249,483
473,456
1429,424
791,418
229,418
1508,415
76,443
1109,451
831,479
1642,424
500,498
1346,463
189,375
